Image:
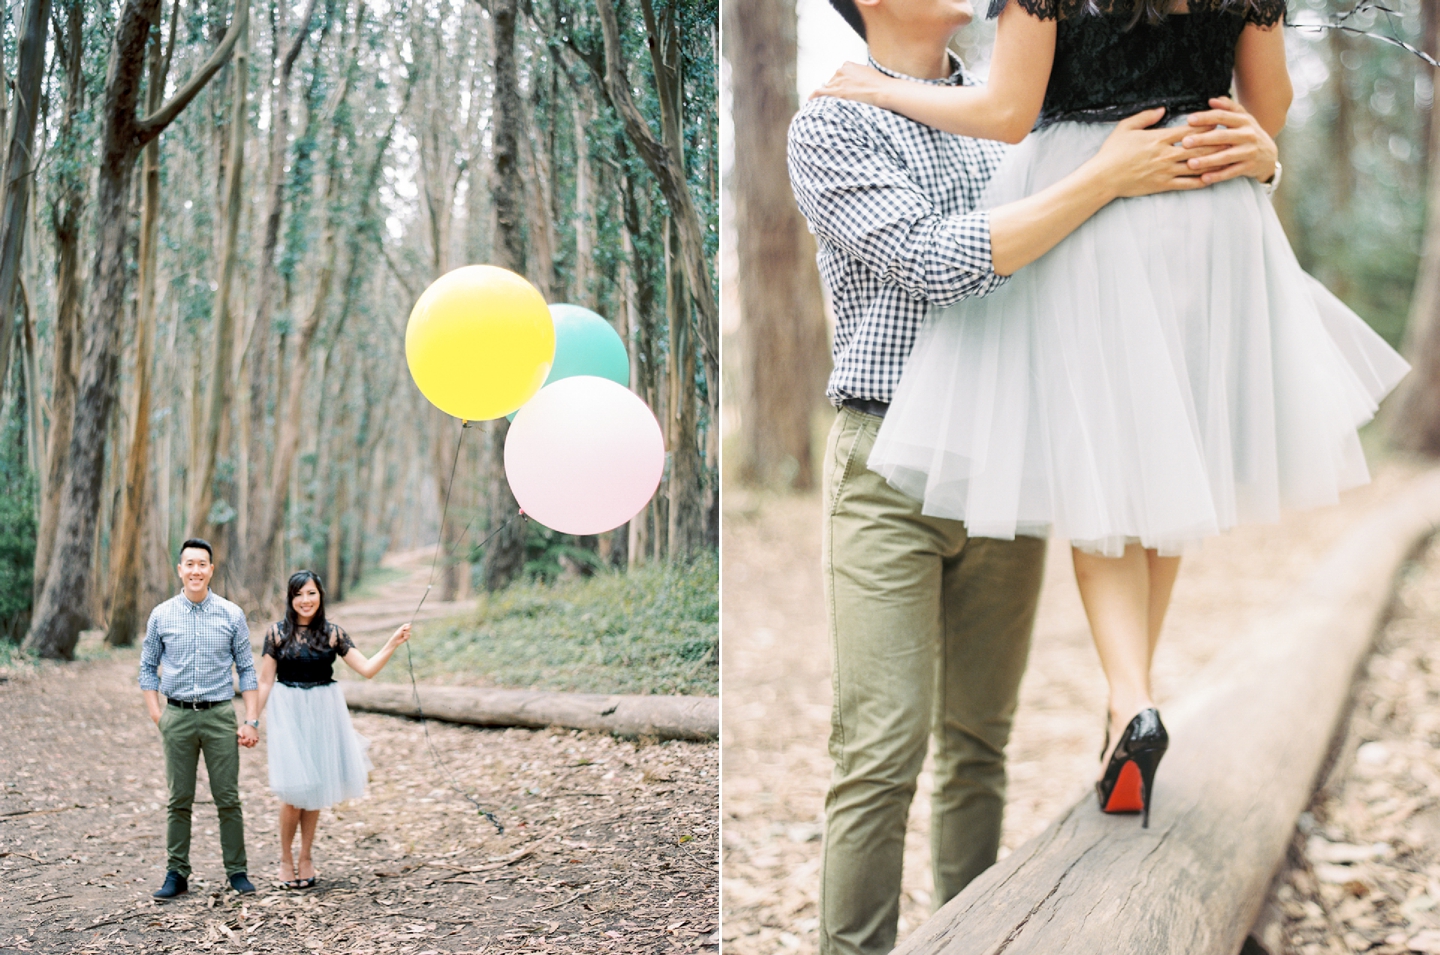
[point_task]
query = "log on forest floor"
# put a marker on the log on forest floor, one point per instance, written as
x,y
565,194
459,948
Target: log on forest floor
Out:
x,y
1246,748
664,717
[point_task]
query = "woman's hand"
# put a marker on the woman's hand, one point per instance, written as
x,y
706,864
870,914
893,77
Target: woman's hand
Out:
x,y
1136,160
858,82
1241,147
398,637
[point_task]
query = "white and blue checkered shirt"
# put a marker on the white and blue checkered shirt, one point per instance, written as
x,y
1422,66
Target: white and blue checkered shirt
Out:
x,y
197,644
892,205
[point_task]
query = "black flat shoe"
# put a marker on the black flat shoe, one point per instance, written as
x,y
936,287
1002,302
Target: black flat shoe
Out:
x,y
1129,778
175,884
241,883
305,883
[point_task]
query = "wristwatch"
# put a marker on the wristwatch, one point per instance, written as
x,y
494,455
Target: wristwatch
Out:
x,y
252,723
1274,182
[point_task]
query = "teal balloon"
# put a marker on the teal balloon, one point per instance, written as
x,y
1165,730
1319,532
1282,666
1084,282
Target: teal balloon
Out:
x,y
586,344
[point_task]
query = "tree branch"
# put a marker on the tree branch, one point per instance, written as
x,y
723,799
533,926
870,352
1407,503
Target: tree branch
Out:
x,y
152,125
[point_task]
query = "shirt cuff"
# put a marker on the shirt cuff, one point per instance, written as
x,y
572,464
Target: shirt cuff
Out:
x,y
962,259
248,682
149,681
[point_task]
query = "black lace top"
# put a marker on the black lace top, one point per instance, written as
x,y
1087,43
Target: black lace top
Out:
x,y
1109,65
306,659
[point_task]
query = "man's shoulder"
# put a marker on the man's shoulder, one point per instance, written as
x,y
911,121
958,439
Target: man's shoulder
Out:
x,y
829,114
228,607
165,606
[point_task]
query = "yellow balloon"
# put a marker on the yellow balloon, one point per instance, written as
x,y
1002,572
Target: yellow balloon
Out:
x,y
480,342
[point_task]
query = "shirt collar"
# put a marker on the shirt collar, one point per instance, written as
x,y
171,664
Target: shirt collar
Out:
x,y
203,606
958,74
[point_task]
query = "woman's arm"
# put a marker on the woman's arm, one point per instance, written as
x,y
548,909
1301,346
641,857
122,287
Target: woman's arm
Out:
x,y
367,668
1262,83
1005,108
267,679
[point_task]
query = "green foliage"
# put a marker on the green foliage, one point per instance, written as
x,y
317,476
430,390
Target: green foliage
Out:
x,y
1355,159
17,528
653,630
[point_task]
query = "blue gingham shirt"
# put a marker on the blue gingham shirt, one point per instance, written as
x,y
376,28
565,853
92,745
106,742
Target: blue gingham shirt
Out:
x,y
197,644
892,205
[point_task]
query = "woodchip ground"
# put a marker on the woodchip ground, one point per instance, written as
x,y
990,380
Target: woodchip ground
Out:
x,y
609,845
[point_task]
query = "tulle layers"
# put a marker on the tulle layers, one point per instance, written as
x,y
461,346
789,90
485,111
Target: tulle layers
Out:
x,y
316,757
1165,373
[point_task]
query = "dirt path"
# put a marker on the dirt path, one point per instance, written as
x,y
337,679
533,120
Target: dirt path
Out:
x,y
609,845
776,666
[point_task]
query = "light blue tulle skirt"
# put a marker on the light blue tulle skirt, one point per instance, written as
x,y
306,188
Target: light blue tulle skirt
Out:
x,y
1165,373
316,757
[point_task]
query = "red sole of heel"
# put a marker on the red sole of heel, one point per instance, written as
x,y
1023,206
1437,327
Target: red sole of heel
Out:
x,y
1125,797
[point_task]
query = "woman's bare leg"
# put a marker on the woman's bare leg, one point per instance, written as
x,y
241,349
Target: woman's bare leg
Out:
x,y
289,820
1163,571
309,819
1125,601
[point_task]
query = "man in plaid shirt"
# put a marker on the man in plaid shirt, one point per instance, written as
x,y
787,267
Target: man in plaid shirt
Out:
x,y
929,630
195,638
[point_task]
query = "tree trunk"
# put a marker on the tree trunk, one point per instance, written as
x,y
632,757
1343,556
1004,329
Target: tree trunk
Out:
x,y
65,223
59,613
217,404
505,557
783,352
125,592
685,533
584,213
259,358
667,165
29,72
1414,421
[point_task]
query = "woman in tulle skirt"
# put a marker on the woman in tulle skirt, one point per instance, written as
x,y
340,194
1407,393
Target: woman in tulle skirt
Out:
x,y
316,757
1167,371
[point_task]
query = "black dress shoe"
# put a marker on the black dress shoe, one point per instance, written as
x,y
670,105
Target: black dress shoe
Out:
x,y
241,884
175,884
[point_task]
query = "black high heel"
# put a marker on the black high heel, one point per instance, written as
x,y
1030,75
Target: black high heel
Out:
x,y
1129,778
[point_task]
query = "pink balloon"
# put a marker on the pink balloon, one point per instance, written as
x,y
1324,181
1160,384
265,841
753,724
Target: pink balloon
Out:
x,y
584,455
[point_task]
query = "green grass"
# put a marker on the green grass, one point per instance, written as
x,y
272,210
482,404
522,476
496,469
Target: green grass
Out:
x,y
654,630
372,580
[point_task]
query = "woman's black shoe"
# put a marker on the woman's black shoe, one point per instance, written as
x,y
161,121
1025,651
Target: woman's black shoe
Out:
x,y
1129,778
175,884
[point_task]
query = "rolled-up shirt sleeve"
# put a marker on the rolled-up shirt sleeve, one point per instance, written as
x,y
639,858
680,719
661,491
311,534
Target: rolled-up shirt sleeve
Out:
x,y
244,656
856,194
150,650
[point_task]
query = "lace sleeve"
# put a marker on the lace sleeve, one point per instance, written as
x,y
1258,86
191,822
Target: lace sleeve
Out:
x,y
272,632
1265,13
1043,9
341,640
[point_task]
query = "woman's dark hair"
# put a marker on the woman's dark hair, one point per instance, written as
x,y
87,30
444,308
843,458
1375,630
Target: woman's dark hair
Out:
x,y
292,620
851,13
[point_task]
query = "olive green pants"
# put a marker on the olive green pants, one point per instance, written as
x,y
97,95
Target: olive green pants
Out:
x,y
929,633
186,734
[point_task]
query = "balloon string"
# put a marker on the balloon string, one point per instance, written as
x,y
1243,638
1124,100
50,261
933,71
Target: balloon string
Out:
x,y
409,660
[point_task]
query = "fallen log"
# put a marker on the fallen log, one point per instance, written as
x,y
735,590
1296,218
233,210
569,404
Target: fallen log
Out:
x,y
1246,748
665,717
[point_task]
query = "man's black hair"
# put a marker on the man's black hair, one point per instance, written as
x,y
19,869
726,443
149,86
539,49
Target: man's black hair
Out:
x,y
198,543
851,13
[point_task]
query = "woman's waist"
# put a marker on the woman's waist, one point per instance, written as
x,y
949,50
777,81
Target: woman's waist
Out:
x,y
1176,107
